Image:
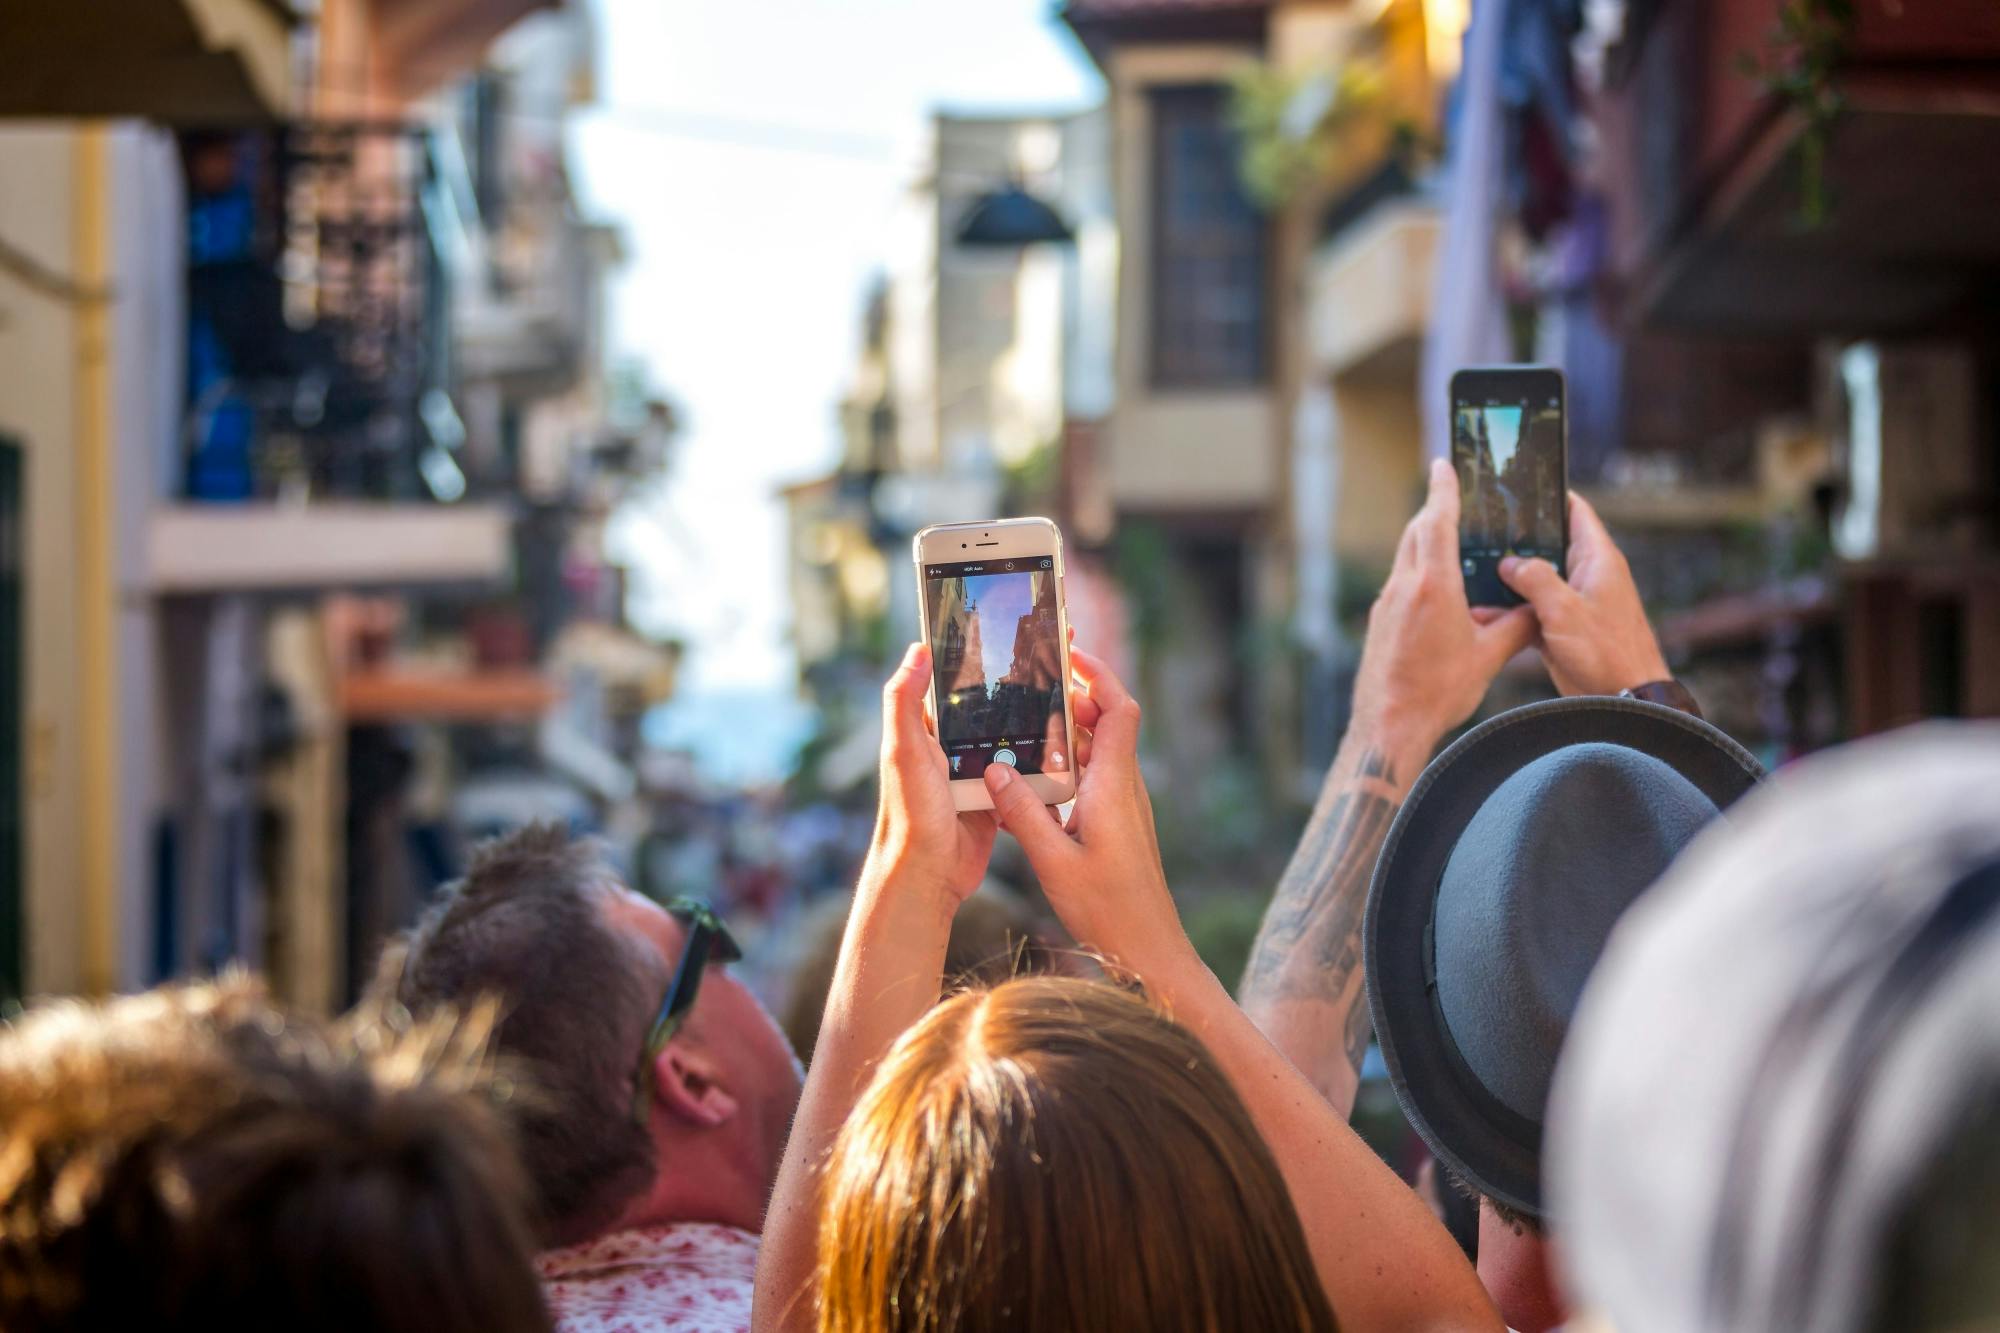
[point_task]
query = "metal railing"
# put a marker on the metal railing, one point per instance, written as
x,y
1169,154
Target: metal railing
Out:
x,y
318,332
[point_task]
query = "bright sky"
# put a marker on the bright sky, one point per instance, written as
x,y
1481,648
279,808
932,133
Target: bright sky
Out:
x,y
1002,600
1503,432
754,152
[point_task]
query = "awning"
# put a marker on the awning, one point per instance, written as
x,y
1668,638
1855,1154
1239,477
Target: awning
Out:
x,y
179,62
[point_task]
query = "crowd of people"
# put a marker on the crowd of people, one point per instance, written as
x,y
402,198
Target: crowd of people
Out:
x,y
1709,1050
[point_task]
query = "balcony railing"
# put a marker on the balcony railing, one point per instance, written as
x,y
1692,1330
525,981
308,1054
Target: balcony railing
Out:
x,y
318,343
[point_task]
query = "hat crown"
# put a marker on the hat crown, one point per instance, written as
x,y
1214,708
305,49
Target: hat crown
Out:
x,y
1530,893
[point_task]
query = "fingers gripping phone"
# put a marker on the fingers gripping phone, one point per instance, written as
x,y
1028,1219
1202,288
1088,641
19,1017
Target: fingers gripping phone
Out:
x,y
993,612
1510,447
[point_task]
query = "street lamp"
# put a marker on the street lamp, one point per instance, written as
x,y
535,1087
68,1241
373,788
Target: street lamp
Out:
x,y
1010,217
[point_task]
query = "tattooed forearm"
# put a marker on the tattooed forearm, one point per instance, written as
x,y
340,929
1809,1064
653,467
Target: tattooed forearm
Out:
x,y
1311,938
1308,951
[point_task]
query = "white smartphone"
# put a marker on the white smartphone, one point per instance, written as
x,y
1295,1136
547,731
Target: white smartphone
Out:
x,y
992,598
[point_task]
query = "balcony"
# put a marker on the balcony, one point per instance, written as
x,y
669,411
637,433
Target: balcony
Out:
x,y
1368,292
321,438
209,548
531,325
1713,232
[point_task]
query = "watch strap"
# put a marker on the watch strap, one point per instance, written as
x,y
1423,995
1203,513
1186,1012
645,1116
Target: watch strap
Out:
x,y
1669,692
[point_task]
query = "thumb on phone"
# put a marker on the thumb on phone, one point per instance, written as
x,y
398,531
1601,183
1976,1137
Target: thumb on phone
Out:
x,y
1536,580
1022,814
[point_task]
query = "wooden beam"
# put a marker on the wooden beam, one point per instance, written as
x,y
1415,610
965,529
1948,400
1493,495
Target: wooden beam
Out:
x,y
391,694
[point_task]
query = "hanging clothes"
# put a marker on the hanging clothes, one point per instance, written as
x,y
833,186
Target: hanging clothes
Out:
x,y
1468,323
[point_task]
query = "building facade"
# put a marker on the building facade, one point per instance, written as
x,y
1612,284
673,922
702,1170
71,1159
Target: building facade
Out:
x,y
977,365
306,443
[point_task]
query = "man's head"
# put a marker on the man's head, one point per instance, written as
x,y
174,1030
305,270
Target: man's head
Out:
x,y
579,965
1515,855
193,1159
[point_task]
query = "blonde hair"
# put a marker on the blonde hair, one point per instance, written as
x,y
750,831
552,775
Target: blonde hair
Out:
x,y
1057,1154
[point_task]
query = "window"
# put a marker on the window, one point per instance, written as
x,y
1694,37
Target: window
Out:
x,y
1209,326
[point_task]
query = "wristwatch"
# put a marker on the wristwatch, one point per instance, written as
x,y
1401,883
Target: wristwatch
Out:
x,y
1669,692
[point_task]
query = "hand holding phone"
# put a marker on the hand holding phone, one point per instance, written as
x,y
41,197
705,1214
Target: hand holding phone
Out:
x,y
1101,870
1427,659
1594,632
998,630
1509,446
920,835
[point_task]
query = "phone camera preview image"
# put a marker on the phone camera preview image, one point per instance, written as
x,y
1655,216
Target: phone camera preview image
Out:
x,y
1509,458
996,648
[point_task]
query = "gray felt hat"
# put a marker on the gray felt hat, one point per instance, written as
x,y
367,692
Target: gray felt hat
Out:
x,y
1514,856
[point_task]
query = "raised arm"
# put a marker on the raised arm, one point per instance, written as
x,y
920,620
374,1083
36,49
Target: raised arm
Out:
x,y
1384,1261
1424,668
925,859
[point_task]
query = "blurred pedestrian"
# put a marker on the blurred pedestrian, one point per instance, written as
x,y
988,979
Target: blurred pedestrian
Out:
x,y
1496,871
1052,1156
993,937
665,1089
191,1159
1780,1103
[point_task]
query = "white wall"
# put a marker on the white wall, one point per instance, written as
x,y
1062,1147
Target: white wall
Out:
x,y
148,336
1090,316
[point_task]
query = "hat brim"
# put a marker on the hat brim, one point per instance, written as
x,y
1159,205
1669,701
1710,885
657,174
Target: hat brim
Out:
x,y
1424,1066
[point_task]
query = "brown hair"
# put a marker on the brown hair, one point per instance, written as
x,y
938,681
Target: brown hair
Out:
x,y
526,926
1056,1154
192,1159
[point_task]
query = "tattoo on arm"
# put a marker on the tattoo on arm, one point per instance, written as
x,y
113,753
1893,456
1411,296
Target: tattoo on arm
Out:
x,y
1309,947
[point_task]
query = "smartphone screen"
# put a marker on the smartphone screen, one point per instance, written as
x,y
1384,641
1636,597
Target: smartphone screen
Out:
x,y
996,646
1507,443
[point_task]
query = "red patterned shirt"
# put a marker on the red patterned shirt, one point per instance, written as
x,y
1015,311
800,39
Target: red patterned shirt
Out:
x,y
693,1277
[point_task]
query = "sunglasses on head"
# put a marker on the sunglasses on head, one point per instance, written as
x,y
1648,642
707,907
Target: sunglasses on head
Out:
x,y
707,938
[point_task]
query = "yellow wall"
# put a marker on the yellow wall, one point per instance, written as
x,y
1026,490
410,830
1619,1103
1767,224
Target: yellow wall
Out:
x,y
1307,32
1379,461
38,408
89,380
1194,451
95,542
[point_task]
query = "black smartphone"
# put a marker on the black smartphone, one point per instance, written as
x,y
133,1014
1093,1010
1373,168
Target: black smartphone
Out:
x,y
1510,445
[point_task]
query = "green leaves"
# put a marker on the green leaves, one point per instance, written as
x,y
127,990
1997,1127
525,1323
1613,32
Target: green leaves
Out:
x,y
1292,122
1801,56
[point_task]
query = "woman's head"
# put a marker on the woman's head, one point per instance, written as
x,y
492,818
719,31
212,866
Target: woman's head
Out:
x,y
1055,1154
